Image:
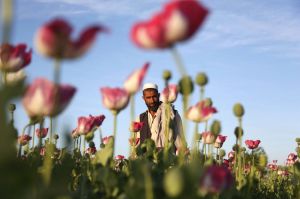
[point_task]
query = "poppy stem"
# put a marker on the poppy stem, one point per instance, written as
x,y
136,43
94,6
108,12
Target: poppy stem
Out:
x,y
7,17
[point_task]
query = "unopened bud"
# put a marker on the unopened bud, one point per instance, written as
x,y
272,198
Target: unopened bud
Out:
x,y
56,137
298,140
173,182
89,137
238,110
208,102
215,127
186,85
11,107
238,132
91,144
222,153
201,79
167,75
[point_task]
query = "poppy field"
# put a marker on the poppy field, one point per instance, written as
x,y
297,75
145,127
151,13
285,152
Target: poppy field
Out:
x,y
34,165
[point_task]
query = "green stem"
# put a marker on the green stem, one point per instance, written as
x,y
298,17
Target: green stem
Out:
x,y
132,110
57,71
179,62
7,17
195,137
115,114
84,141
148,184
33,135
202,91
51,129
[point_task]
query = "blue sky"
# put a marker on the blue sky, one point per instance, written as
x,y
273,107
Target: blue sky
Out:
x,y
249,49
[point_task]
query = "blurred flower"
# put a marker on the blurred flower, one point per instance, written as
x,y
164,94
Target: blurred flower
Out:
x,y
42,151
44,98
225,163
208,137
88,124
169,94
273,167
24,139
106,139
292,156
41,133
91,150
178,21
14,58
247,169
215,179
252,144
200,112
119,157
231,155
134,81
13,78
74,133
219,141
136,126
131,141
115,99
282,172
54,40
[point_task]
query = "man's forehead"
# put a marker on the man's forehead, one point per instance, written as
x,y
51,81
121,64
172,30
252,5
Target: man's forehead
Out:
x,y
148,92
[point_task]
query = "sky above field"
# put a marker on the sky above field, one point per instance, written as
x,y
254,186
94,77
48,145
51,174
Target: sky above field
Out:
x,y
249,50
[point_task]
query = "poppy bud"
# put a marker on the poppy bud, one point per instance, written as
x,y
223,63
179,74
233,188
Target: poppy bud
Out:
x,y
91,144
201,79
186,85
90,136
167,75
173,182
215,127
12,107
222,153
238,132
208,102
238,110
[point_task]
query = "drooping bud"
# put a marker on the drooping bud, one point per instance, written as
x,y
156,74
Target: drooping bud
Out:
x,y
222,153
186,85
11,107
56,136
201,79
238,110
215,127
167,75
208,102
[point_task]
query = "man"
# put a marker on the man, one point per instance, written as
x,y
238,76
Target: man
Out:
x,y
155,119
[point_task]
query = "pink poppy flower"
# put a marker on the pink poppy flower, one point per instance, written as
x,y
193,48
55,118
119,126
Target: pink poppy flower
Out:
x,y
200,112
41,133
215,179
136,126
119,157
282,172
134,81
115,99
273,167
54,40
178,21
169,94
106,139
43,151
88,124
292,156
24,139
14,58
208,137
231,155
252,144
45,98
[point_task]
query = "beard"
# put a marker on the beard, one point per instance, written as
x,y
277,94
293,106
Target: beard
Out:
x,y
153,107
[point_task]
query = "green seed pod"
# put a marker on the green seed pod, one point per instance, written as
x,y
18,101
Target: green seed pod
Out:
x,y
173,182
89,137
208,102
91,144
262,160
56,137
298,140
222,153
11,107
186,85
238,110
298,151
238,132
215,127
235,147
167,75
102,146
201,79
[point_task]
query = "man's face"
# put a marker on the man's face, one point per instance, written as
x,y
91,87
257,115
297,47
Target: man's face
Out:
x,y
151,98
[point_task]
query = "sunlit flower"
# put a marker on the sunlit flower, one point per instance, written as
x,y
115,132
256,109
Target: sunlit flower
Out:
x,y
14,58
219,141
208,137
41,133
88,124
115,99
215,179
134,81
200,112
252,144
54,40
178,21
136,126
169,94
13,78
44,98
24,139
106,139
